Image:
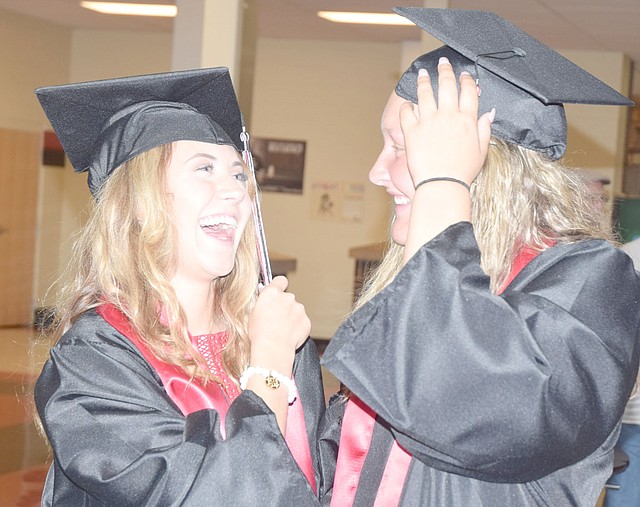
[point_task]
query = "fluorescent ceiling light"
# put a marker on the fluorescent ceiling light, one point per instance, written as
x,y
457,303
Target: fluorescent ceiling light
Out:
x,y
163,10
367,18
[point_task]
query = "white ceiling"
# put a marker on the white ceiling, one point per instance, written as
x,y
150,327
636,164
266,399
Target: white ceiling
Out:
x,y
608,25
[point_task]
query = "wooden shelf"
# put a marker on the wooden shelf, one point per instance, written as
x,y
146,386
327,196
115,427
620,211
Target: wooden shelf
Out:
x,y
367,258
372,252
281,264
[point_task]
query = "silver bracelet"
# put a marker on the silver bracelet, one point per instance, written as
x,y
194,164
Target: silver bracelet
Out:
x,y
272,378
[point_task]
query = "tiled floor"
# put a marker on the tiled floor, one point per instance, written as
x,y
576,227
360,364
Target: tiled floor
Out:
x,y
23,452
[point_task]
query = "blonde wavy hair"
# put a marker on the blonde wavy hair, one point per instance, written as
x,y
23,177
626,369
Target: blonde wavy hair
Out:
x,y
126,254
521,198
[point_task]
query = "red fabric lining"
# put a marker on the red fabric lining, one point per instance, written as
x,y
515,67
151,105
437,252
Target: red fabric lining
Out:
x,y
525,256
355,440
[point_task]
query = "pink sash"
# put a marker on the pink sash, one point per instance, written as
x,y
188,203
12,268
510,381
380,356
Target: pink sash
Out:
x,y
355,440
191,395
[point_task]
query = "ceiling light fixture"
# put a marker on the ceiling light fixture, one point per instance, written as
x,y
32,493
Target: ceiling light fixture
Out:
x,y
367,18
127,9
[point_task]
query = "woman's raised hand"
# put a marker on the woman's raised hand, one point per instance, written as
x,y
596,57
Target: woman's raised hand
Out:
x,y
445,138
278,325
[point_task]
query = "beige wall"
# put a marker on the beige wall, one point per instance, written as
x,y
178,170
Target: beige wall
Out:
x,y
33,54
596,134
105,54
328,94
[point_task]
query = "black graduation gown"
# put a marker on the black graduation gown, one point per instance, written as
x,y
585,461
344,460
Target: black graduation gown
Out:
x,y
118,439
501,400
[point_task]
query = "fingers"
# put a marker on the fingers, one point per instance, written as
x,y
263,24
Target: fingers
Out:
x,y
445,136
447,94
426,99
484,131
278,320
280,283
447,89
409,112
448,97
408,118
468,94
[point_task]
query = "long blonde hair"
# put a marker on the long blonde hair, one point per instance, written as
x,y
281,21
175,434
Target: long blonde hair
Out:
x,y
126,255
520,199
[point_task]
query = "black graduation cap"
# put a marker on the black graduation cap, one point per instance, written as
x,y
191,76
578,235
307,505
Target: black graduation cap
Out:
x,y
102,124
526,81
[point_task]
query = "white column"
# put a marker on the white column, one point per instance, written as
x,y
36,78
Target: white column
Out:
x,y
428,41
209,33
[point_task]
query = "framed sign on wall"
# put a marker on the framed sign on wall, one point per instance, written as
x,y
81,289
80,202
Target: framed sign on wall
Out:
x,y
279,164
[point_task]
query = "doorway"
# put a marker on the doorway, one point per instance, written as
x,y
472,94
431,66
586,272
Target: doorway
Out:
x,y
19,169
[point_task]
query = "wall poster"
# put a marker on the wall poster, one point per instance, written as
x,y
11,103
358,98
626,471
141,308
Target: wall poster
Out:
x,y
279,164
340,201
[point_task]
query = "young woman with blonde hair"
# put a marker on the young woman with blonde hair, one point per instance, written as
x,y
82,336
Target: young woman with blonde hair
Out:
x,y
491,355
174,381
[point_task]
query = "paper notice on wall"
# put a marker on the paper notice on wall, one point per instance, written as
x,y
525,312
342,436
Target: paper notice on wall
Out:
x,y
339,201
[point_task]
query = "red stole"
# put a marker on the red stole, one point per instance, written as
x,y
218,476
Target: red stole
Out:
x,y
357,431
525,256
191,395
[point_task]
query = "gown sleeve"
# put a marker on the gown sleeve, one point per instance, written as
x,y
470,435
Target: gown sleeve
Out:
x,y
118,439
499,388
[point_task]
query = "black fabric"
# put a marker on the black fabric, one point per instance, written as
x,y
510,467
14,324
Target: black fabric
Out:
x,y
373,467
119,440
328,442
102,124
515,391
520,118
526,81
485,37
